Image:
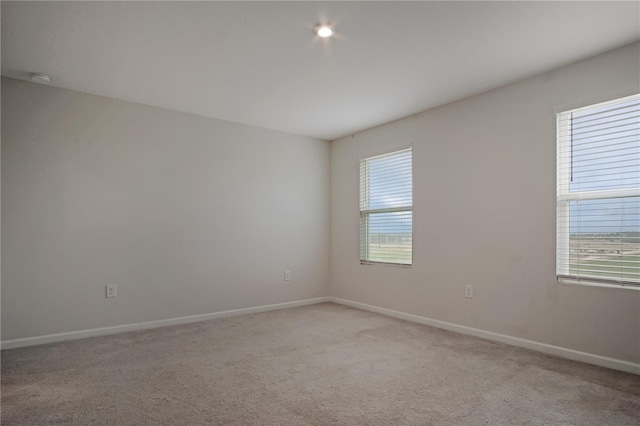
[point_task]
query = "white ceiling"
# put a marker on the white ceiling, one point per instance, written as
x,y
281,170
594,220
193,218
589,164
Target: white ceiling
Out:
x,y
259,63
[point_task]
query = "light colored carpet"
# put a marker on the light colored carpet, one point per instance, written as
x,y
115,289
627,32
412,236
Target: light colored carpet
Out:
x,y
315,365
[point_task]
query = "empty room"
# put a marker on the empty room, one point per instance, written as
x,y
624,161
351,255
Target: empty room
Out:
x,y
320,213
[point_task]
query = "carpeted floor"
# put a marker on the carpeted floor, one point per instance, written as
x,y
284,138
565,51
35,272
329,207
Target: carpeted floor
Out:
x,y
315,365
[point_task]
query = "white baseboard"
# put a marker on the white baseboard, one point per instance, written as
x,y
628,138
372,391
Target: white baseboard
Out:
x,y
602,361
103,331
616,364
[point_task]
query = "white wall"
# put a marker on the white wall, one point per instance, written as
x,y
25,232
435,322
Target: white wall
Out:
x,y
484,214
186,214
191,215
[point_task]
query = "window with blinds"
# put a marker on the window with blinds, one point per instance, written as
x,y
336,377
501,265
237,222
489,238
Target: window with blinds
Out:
x,y
386,205
598,193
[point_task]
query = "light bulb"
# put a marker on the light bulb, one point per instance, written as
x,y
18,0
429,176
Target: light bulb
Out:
x,y
324,31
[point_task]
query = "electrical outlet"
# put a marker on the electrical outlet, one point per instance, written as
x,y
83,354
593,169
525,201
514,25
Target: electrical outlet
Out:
x,y
111,290
287,275
468,291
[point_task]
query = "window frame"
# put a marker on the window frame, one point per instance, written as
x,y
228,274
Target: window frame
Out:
x,y
364,224
564,196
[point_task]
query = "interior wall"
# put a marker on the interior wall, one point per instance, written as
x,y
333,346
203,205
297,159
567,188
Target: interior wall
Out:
x,y
185,214
484,214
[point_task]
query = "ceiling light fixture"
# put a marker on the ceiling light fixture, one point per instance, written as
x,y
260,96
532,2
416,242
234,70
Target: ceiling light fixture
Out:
x,y
324,31
39,77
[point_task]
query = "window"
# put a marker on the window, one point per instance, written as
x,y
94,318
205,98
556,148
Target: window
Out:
x,y
598,193
386,204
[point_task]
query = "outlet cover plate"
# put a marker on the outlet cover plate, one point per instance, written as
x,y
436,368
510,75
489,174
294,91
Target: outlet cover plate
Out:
x,y
111,290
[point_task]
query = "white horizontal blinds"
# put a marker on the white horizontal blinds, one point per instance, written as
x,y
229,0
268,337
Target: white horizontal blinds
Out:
x,y
386,203
598,213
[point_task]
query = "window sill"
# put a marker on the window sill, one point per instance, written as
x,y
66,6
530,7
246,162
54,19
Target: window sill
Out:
x,y
598,284
397,265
